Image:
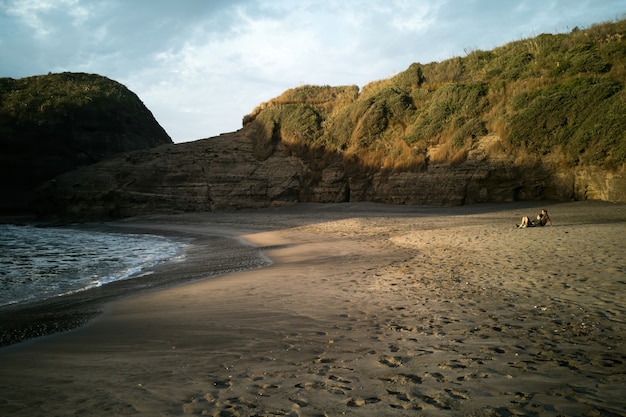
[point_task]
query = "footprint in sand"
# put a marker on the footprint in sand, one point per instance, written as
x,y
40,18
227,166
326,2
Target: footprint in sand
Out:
x,y
457,395
300,402
403,379
437,376
401,396
452,364
446,401
392,361
472,376
223,384
339,379
360,402
266,390
231,407
310,385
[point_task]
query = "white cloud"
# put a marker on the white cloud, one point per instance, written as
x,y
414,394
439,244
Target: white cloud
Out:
x,y
413,16
29,12
42,15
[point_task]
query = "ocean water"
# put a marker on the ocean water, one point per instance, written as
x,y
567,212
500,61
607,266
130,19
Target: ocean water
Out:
x,y
40,263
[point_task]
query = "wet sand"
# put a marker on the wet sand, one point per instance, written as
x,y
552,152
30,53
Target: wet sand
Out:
x,y
366,310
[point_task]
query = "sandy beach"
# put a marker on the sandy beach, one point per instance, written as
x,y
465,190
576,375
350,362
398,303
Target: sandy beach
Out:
x,y
365,310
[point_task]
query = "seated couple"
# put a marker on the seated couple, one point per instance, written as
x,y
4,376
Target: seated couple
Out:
x,y
541,220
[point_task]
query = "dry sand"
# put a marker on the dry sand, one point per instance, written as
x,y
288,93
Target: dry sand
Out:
x,y
367,310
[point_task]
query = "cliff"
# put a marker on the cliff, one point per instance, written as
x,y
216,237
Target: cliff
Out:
x,y
227,173
51,124
540,118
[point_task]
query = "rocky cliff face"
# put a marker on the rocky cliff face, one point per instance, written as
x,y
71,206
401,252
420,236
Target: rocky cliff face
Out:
x,y
54,123
593,183
205,175
535,119
228,172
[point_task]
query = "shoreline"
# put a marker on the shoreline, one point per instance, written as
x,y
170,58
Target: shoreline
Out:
x,y
26,321
21,322
365,310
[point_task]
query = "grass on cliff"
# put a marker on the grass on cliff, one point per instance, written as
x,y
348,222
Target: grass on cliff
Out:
x,y
48,98
558,95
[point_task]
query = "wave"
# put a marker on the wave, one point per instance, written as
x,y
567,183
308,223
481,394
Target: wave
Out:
x,y
40,263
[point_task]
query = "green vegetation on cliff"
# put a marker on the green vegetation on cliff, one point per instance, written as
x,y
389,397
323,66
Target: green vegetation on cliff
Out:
x,y
560,97
50,98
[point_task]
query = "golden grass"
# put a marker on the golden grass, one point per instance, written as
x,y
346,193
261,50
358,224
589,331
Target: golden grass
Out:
x,y
447,153
526,93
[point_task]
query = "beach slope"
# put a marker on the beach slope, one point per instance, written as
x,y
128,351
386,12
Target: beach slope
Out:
x,y
366,310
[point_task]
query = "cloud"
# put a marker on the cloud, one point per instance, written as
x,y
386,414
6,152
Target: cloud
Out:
x,y
43,17
200,66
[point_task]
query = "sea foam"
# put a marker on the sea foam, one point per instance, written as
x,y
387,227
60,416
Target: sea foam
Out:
x,y
40,263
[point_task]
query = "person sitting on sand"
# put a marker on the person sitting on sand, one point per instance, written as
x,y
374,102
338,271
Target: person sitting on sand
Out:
x,y
541,220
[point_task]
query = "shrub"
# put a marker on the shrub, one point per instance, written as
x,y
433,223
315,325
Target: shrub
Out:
x,y
569,114
47,98
552,92
450,105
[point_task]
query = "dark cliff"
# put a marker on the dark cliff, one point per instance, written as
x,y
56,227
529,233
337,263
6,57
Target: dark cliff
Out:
x,y
232,172
54,123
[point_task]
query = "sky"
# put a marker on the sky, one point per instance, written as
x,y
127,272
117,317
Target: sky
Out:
x,y
201,65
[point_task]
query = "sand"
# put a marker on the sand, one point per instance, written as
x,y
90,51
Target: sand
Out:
x,y
366,309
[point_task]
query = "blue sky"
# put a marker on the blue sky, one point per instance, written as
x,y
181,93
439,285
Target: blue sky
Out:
x,y
201,65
